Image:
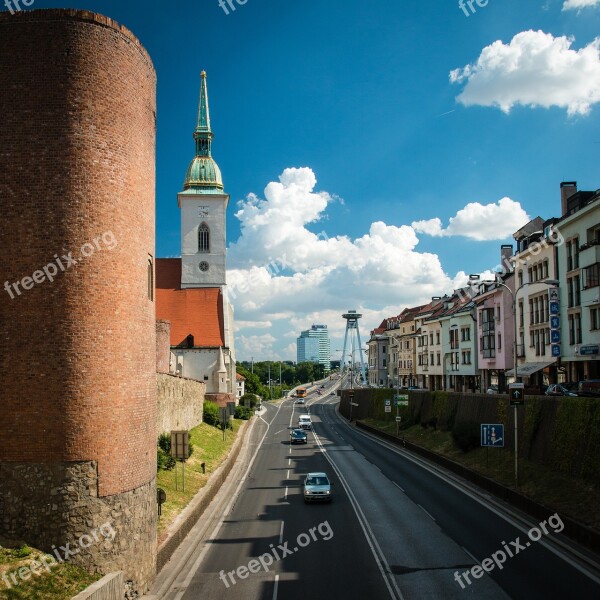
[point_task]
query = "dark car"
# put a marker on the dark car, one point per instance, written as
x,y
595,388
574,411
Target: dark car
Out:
x,y
298,436
562,389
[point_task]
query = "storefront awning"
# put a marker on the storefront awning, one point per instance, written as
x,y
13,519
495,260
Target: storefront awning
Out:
x,y
529,369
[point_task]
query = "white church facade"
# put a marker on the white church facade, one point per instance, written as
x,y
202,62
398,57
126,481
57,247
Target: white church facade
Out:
x,y
191,290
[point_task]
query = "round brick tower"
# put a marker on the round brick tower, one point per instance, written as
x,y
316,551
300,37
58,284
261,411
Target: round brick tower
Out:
x,y
77,315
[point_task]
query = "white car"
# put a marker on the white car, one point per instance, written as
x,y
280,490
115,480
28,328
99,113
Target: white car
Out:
x,y
304,422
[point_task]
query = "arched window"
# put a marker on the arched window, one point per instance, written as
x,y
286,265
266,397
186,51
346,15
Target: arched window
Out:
x,y
203,238
150,279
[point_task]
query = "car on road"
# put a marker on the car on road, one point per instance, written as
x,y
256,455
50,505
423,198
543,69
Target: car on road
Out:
x,y
317,487
562,389
304,422
300,401
298,436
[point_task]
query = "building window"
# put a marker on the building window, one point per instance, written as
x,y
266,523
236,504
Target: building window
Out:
x,y
521,278
591,276
499,341
150,269
437,338
466,357
521,314
203,238
431,338
439,359
454,339
432,359
465,334
594,318
204,266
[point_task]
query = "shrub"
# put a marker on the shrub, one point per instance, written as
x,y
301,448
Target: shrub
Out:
x,y
242,412
211,413
250,400
164,442
466,435
164,461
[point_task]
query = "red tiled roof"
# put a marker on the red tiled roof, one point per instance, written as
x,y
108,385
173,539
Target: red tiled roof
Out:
x,y
240,377
198,312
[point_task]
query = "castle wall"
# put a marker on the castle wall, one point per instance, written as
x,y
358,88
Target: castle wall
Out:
x,y
77,325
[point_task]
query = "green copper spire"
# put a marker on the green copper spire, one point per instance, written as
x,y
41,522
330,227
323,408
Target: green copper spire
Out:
x,y
203,175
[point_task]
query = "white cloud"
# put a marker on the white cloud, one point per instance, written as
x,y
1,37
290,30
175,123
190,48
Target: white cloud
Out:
x,y
284,274
579,4
479,222
535,69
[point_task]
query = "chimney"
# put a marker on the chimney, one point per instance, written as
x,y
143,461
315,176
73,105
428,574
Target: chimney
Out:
x,y
567,189
506,251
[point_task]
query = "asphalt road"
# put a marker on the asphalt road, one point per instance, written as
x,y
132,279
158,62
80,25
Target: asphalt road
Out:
x,y
395,529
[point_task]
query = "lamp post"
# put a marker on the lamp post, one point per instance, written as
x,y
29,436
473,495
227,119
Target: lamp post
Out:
x,y
548,282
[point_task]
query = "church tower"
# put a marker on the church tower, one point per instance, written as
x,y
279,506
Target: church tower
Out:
x,y
203,204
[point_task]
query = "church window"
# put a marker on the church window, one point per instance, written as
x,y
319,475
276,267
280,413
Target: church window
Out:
x,y
203,238
204,266
150,279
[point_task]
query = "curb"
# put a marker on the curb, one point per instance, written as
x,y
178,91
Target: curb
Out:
x,y
576,531
184,522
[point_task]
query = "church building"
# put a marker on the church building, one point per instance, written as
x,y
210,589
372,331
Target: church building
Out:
x,y
190,291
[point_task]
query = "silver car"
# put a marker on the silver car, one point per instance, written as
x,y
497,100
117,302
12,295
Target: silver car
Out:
x,y
317,488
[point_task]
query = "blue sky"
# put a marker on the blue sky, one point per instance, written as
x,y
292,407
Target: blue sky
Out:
x,y
358,97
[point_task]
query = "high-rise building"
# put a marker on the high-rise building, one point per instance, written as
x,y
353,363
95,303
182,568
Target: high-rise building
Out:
x,y
313,346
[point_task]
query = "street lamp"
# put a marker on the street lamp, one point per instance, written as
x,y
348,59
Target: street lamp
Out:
x,y
548,282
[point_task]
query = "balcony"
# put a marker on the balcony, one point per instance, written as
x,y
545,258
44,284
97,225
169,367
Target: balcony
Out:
x,y
589,253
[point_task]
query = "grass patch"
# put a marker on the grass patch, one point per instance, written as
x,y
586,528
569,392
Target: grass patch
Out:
x,y
576,498
62,582
209,448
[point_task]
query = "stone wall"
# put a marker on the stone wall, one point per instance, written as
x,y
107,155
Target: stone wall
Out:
x,y
163,346
54,504
180,403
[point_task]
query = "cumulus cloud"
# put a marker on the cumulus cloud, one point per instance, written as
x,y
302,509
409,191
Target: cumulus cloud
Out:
x,y
534,69
579,4
280,272
479,222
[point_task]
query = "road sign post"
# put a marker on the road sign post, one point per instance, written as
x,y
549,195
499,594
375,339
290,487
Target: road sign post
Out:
x,y
517,398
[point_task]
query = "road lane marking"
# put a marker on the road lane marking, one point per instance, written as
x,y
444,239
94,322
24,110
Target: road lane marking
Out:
x,y
276,586
384,568
399,487
285,494
476,561
426,512
564,551
207,545
281,530
288,474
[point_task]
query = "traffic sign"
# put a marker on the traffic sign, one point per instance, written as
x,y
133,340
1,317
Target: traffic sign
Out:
x,y
517,395
554,308
401,399
555,322
555,350
492,434
351,393
354,403
398,419
553,294
388,408
555,336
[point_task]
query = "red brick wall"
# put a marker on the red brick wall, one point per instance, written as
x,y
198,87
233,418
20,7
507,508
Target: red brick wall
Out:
x,y
77,160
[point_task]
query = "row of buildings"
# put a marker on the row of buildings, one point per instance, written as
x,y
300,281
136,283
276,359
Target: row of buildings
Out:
x,y
313,345
544,305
